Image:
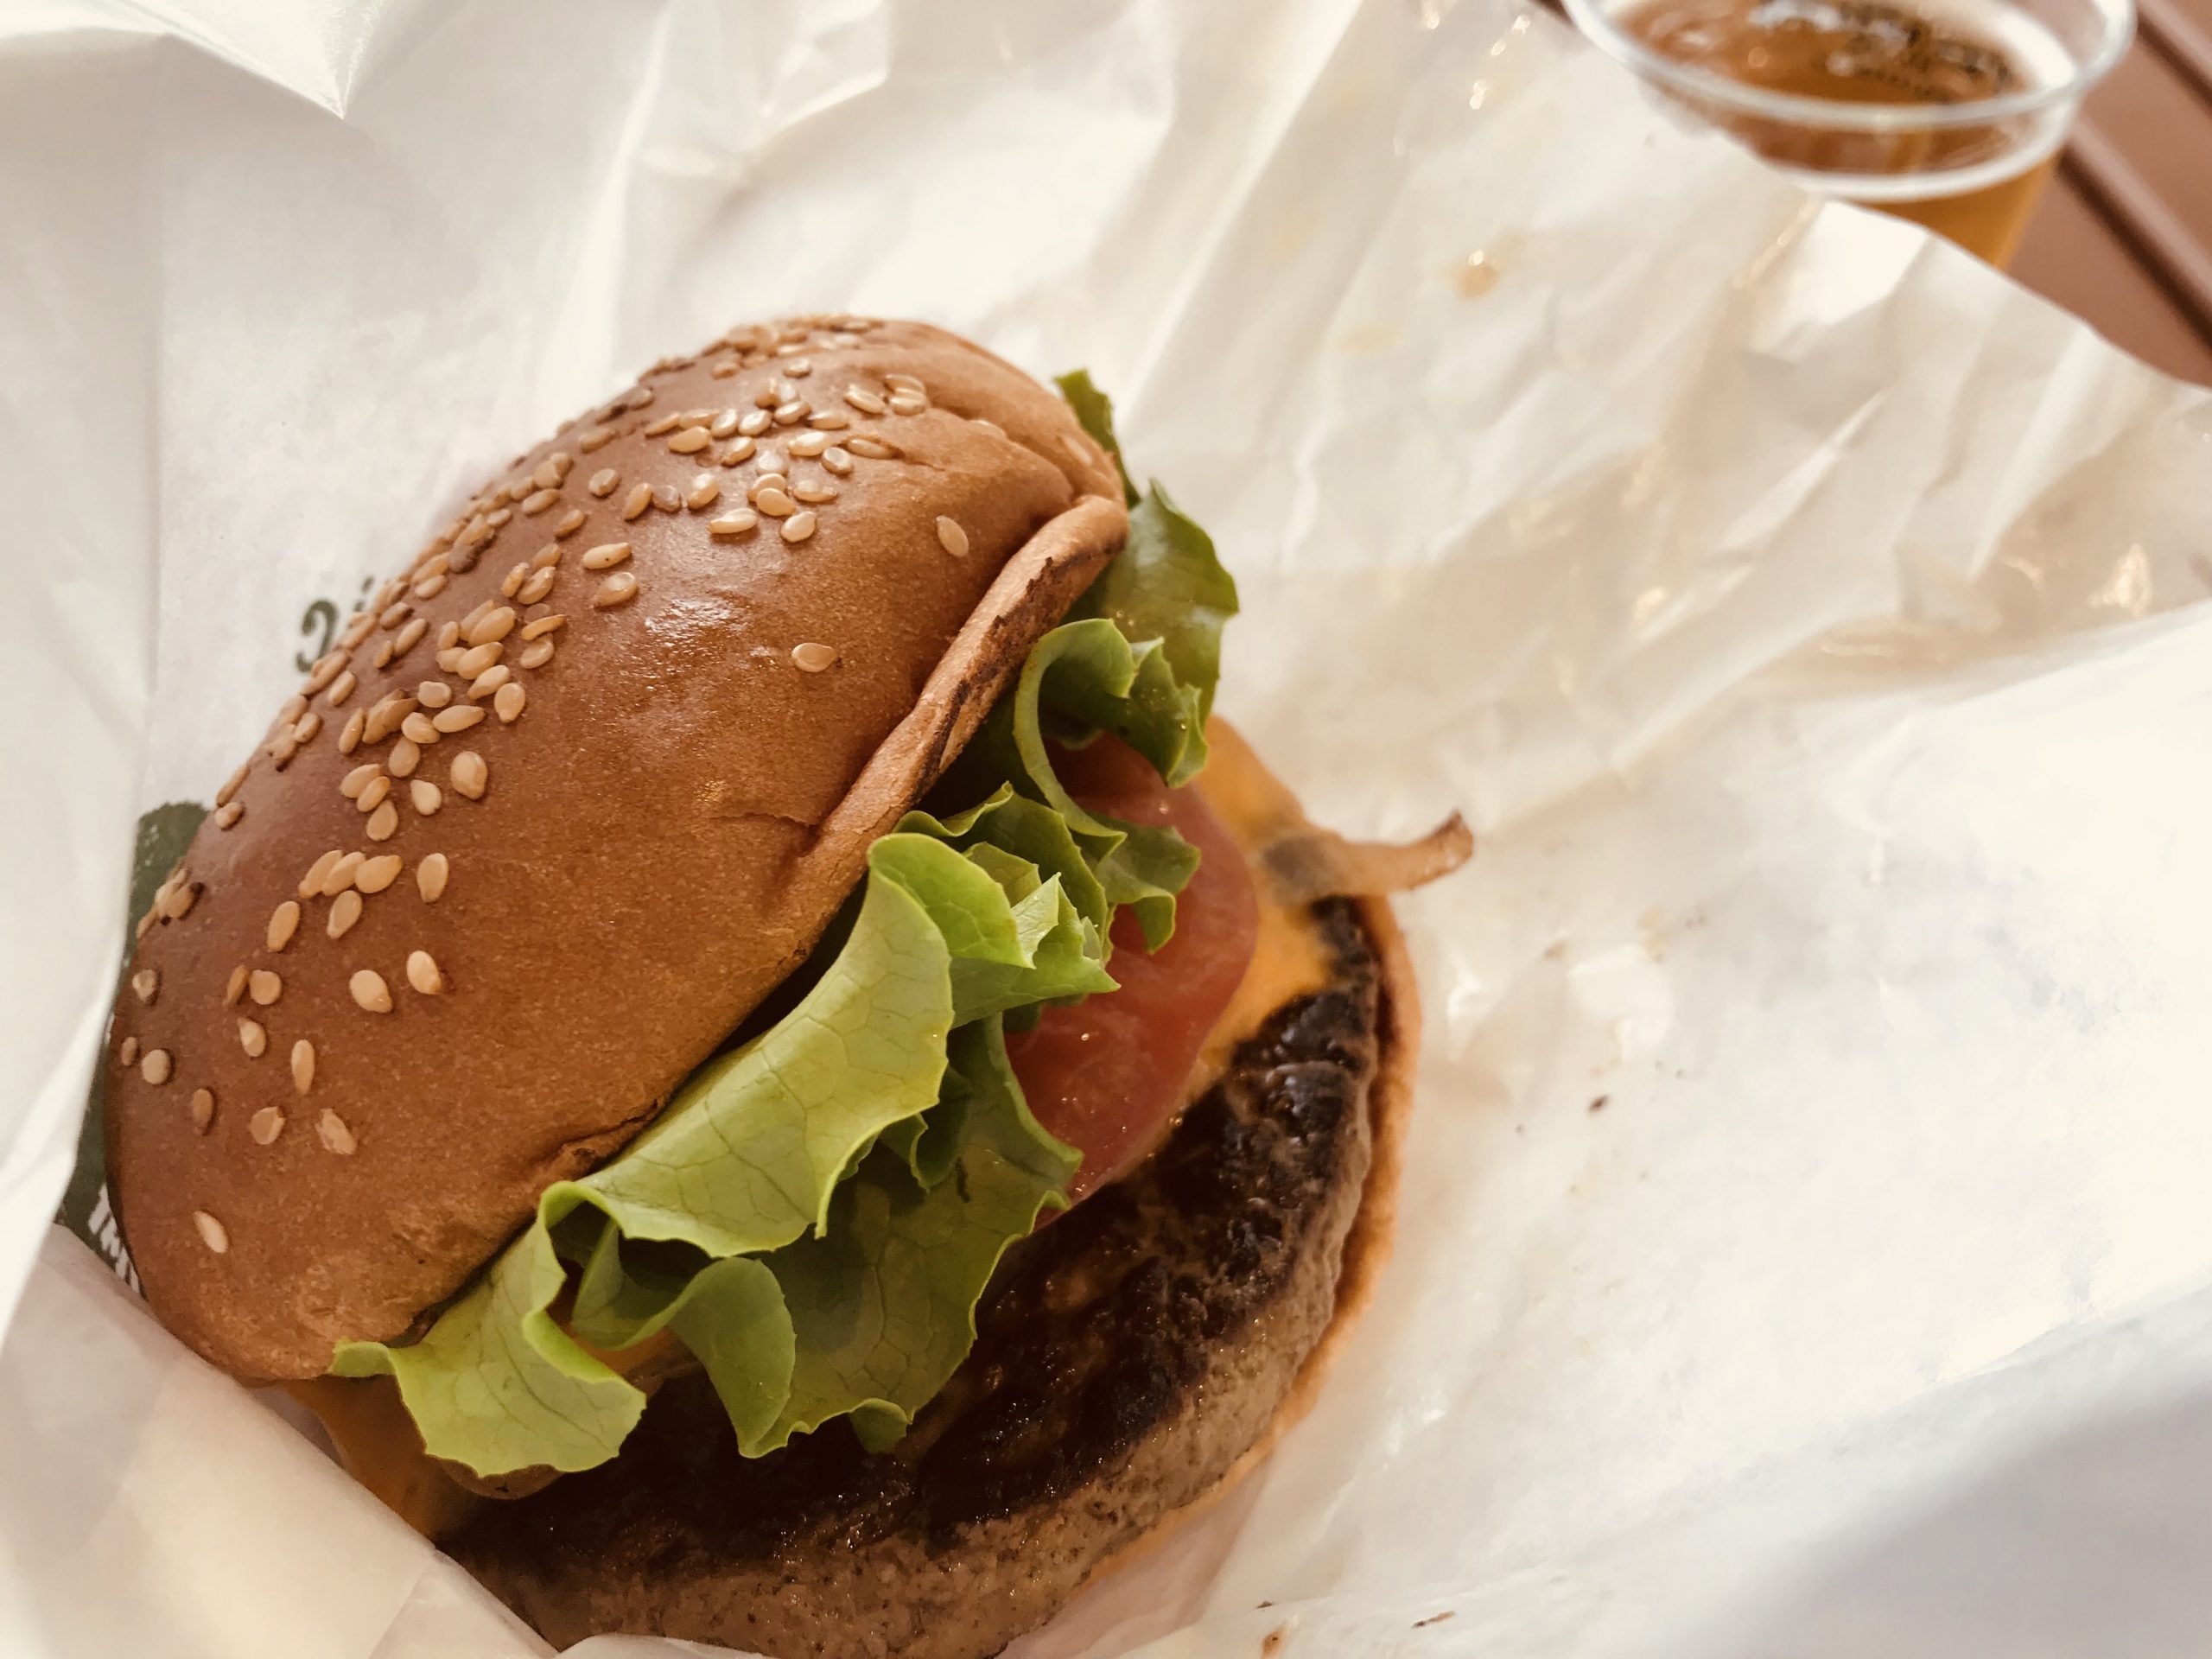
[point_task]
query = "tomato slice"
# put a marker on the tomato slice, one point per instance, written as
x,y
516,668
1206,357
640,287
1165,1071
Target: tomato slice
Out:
x,y
1107,1075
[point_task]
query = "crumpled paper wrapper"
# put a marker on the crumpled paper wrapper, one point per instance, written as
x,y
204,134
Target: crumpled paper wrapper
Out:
x,y
1804,1247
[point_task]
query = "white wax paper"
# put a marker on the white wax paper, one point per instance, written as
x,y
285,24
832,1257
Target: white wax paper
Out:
x,y
1805,1246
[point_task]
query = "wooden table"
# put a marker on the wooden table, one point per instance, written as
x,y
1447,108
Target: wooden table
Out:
x,y
2124,236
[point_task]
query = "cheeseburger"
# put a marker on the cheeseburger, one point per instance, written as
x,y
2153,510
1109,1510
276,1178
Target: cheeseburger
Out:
x,y
746,1041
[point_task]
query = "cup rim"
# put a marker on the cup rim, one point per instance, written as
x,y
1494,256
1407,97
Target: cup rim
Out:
x,y
1597,23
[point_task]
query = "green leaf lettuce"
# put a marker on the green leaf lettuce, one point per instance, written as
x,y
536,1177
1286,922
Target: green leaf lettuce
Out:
x,y
817,1211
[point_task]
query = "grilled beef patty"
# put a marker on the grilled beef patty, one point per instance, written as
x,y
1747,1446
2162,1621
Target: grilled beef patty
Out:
x,y
1129,1353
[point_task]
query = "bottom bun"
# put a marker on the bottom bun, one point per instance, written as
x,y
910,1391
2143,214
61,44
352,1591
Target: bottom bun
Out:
x,y
1133,1357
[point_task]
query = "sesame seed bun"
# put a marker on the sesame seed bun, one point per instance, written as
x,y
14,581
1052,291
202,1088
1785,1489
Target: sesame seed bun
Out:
x,y
495,882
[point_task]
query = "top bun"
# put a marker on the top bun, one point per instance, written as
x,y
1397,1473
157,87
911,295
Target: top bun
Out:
x,y
573,795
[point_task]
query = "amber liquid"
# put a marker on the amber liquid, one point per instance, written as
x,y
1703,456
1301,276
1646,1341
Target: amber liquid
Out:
x,y
1864,52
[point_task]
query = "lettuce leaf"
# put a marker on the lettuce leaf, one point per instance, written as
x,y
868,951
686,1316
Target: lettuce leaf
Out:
x,y
819,1211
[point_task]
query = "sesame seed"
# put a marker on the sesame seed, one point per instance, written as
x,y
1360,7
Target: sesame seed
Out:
x,y
146,981
537,653
508,703
343,914
906,383
813,494
571,522
341,688
703,492
537,501
666,424
829,420
373,793
448,636
511,583
1076,453
951,538
799,526
813,658
492,626
156,1066
405,641
293,709
236,989
449,660
283,922
547,558
905,403
423,973
350,739
388,715
384,823
203,1109
430,877
864,400
497,520
724,369
266,1125
548,473
872,448
339,876
355,781
604,480
756,422
430,586
283,749
302,1066
617,589
768,464
331,1130
458,718
231,786
252,1038
739,451
536,588
723,424
768,396
127,1054
666,499
792,413
774,503
540,627
469,774
690,441
484,608
211,1231
640,498
433,694
232,811
798,368
732,523
263,987
358,629
991,427
596,438
637,396
426,795
810,444
377,873
419,729
837,460
606,555
370,991
406,754
311,883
